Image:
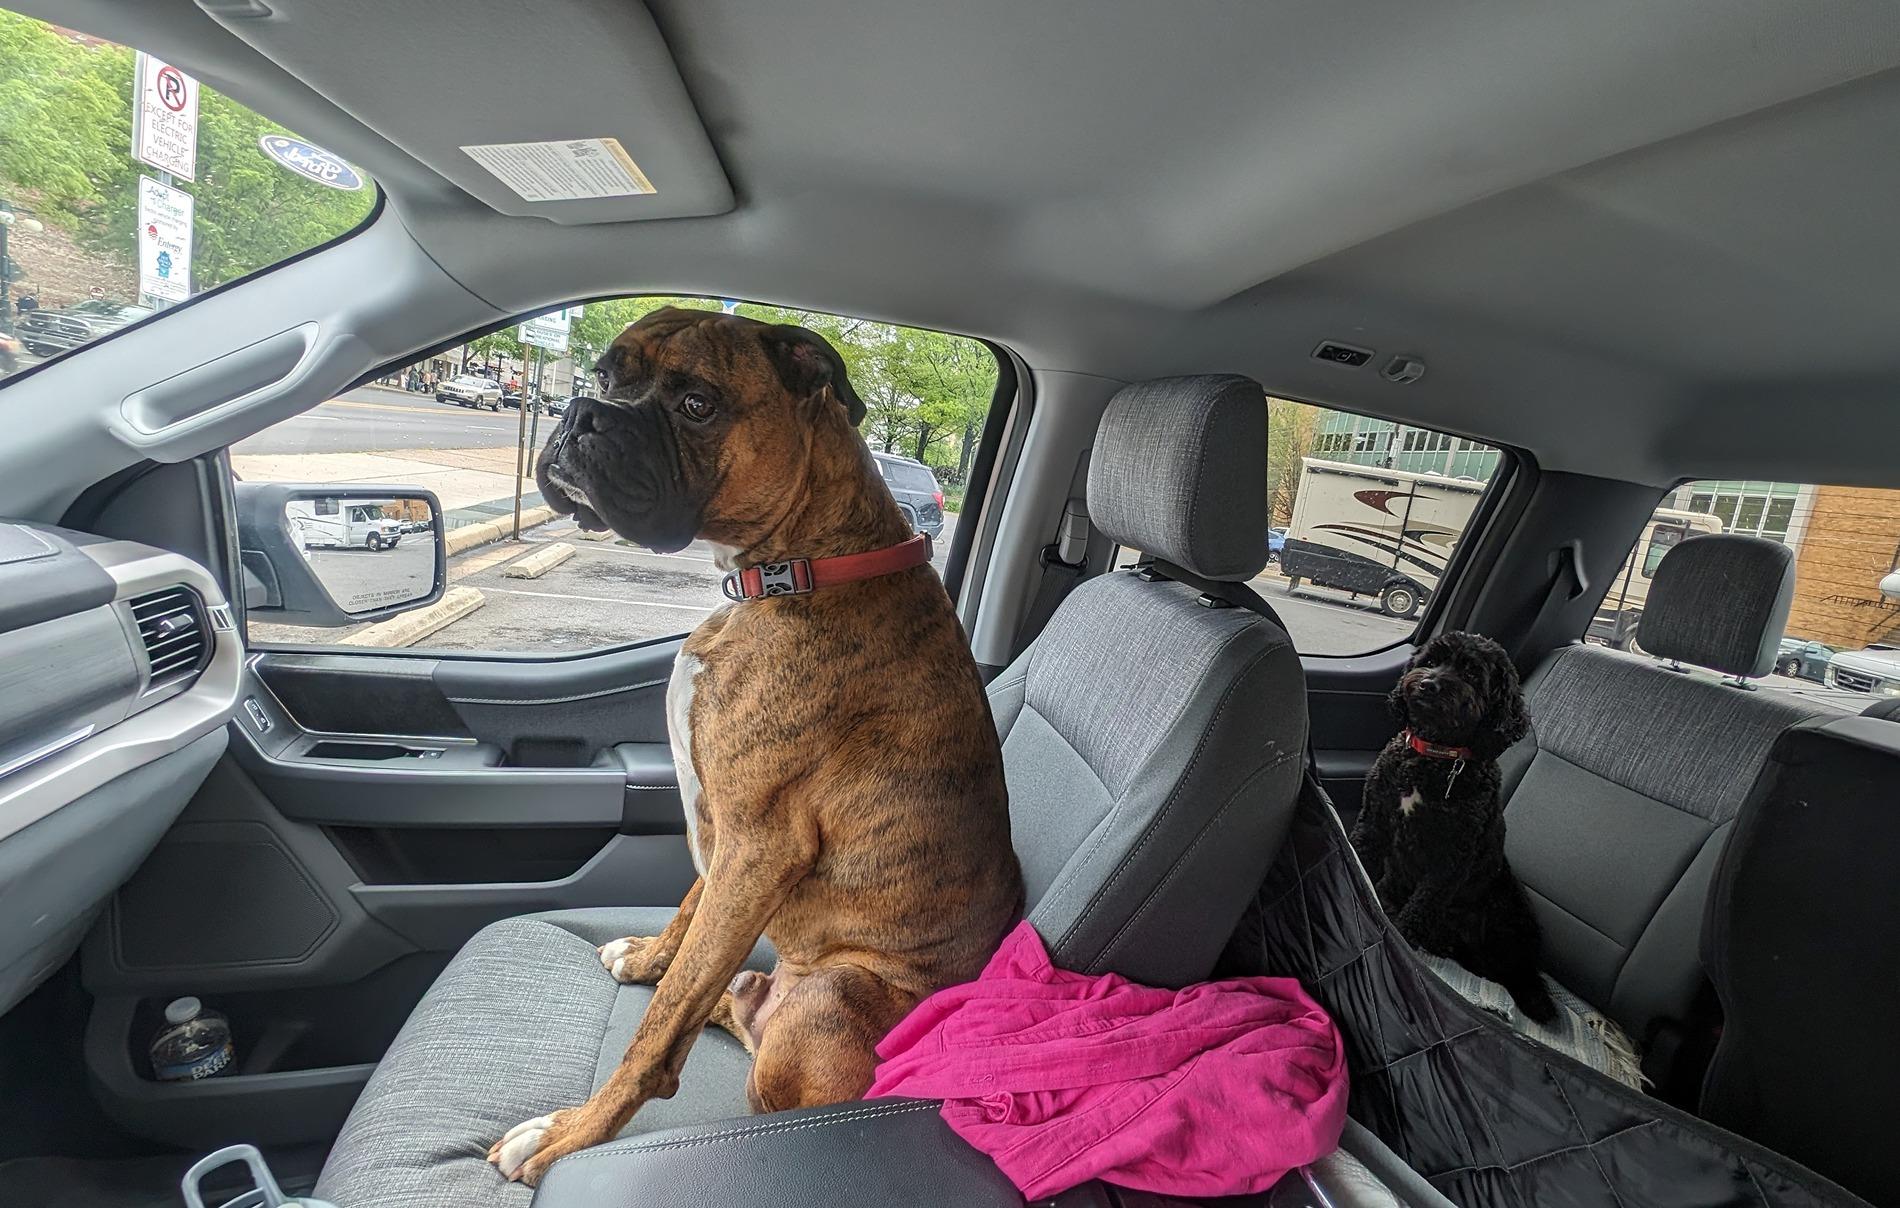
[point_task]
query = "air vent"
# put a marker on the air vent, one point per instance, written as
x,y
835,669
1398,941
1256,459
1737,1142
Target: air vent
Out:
x,y
172,627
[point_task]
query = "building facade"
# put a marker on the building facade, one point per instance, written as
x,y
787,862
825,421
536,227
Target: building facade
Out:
x,y
1362,440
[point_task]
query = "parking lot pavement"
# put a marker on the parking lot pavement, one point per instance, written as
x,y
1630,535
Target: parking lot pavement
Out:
x,y
362,579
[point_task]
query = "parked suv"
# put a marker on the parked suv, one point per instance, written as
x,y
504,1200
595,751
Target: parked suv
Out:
x,y
49,332
467,390
916,491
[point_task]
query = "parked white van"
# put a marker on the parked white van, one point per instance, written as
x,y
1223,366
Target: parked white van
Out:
x,y
335,524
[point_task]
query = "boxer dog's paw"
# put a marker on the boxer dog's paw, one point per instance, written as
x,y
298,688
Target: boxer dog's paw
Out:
x,y
633,961
526,1151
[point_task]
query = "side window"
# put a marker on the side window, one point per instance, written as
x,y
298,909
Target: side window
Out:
x,y
1842,643
452,423
1366,516
126,186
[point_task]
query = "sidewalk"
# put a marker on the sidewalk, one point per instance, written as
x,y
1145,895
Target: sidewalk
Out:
x,y
474,485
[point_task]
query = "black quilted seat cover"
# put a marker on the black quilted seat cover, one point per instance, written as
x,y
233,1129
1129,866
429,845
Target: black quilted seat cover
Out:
x,y
1489,1117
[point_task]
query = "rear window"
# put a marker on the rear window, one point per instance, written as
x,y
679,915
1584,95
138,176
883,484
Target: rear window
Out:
x,y
909,478
106,220
1367,515
1845,617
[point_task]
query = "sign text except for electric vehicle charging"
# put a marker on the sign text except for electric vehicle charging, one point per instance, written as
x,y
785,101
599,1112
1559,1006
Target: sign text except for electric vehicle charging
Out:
x,y
165,117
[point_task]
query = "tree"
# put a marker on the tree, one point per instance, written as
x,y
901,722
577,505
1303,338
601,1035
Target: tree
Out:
x,y
1290,430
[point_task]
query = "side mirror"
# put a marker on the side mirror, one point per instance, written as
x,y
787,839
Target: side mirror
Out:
x,y
326,556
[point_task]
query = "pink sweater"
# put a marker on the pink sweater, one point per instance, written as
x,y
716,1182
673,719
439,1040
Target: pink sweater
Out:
x,y
1218,1089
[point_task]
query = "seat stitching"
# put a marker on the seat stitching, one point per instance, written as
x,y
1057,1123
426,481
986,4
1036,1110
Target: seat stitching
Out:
x,y
1071,869
604,1151
1181,860
1568,914
1154,824
1545,1157
1585,1134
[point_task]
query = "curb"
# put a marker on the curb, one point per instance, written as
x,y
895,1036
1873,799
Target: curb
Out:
x,y
412,627
540,562
471,535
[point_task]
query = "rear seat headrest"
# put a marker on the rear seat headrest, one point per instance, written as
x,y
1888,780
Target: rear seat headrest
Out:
x,y
1720,601
1179,471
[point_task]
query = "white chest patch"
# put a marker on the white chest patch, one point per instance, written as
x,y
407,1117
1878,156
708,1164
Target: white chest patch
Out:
x,y
1407,803
679,732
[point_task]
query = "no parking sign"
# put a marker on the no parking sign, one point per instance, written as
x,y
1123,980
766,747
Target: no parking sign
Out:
x,y
165,117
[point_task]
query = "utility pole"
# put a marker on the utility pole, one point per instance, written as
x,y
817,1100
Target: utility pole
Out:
x,y
521,455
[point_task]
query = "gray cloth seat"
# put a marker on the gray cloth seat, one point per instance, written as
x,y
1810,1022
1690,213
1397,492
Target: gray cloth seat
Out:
x,y
1619,802
1153,747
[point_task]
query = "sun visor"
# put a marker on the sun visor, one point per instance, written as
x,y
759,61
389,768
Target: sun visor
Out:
x,y
568,110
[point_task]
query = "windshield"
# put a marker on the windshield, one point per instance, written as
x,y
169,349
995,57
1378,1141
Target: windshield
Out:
x,y
127,187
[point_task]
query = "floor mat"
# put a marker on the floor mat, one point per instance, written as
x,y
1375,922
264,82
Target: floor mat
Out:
x,y
142,1182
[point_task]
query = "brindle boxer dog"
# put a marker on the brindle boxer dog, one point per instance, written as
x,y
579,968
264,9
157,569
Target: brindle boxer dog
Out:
x,y
842,779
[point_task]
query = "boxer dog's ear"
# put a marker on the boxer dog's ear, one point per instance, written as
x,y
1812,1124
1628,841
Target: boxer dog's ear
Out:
x,y
807,363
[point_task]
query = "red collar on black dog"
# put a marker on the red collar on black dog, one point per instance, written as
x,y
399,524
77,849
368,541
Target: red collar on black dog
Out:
x,y
1432,750
798,576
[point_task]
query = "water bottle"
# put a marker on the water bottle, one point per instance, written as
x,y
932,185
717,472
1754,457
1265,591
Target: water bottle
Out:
x,y
194,1043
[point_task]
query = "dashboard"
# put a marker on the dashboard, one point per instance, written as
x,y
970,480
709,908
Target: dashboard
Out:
x,y
119,666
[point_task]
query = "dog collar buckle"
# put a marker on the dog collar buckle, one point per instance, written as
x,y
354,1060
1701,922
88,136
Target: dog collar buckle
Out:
x,y
800,576
789,578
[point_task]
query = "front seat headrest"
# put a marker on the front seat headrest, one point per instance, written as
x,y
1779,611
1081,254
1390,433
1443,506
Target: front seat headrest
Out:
x,y
1179,471
1720,601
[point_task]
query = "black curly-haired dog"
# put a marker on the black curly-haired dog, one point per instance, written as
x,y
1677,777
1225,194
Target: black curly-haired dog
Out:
x,y
1431,831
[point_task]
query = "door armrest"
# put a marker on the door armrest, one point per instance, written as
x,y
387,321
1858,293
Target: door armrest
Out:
x,y
652,805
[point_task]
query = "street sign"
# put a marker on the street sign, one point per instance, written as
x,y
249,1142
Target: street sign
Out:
x,y
547,331
164,241
311,162
165,117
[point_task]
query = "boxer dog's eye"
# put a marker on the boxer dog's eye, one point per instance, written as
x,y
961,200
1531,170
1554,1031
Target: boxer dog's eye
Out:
x,y
697,407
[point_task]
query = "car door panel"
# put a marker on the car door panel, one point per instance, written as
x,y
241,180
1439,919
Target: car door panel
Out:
x,y
373,812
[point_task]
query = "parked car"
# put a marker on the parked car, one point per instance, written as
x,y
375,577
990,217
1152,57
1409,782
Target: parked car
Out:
x,y
916,491
49,332
467,390
1276,542
1803,659
1874,670
557,406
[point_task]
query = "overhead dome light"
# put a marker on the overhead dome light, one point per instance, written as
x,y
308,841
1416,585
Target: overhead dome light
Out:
x,y
1890,585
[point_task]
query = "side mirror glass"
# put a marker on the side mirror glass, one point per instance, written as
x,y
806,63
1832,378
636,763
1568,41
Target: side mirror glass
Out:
x,y
329,556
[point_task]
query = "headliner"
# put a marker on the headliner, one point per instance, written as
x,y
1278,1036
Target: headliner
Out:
x,y
1635,239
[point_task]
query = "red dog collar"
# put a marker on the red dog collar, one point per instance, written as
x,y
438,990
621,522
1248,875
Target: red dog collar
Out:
x,y
1432,750
799,576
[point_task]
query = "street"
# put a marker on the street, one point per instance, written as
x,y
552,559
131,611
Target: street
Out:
x,y
611,592
377,419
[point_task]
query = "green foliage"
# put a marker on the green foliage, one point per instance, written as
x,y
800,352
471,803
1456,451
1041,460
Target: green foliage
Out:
x,y
65,143
925,393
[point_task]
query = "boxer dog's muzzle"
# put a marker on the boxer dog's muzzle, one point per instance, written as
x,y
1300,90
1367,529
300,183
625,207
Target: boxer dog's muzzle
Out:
x,y
692,403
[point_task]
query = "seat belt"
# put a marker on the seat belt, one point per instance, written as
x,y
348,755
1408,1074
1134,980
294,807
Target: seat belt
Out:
x,y
1568,584
1064,562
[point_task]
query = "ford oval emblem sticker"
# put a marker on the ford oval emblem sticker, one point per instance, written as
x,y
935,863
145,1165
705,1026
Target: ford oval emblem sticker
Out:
x,y
311,162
